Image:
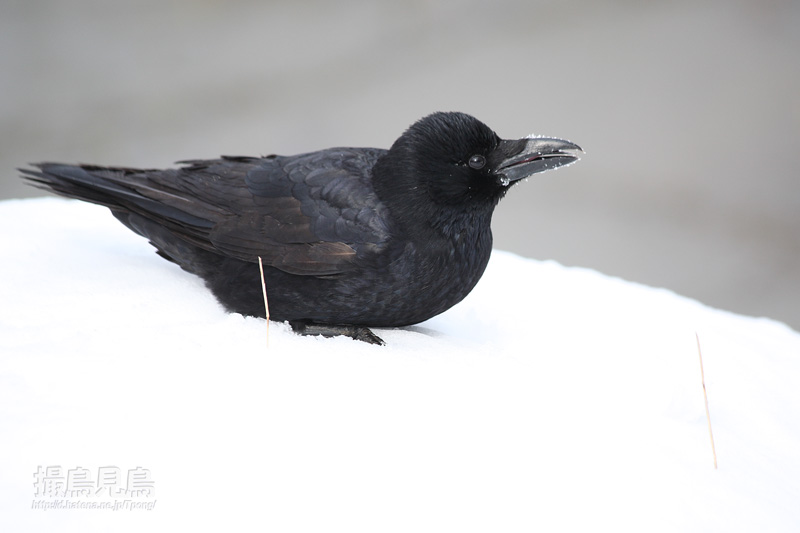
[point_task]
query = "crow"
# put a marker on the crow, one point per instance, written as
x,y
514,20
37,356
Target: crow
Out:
x,y
350,238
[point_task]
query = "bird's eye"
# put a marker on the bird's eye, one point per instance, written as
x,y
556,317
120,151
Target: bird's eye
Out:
x,y
477,162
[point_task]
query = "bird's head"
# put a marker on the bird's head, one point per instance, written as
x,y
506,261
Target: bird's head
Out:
x,y
453,159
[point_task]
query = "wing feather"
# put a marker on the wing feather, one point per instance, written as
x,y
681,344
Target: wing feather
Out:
x,y
310,214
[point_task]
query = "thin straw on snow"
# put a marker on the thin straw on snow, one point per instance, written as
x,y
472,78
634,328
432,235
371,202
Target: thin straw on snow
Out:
x,y
705,396
264,290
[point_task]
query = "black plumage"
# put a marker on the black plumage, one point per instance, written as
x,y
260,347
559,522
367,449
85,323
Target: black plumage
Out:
x,y
349,237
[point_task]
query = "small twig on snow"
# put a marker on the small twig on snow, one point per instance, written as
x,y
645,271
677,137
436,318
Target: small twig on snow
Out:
x,y
264,290
705,396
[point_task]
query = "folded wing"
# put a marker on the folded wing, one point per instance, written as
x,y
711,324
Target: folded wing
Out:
x,y
311,214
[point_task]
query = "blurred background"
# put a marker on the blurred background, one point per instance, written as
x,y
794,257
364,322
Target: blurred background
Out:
x,y
689,112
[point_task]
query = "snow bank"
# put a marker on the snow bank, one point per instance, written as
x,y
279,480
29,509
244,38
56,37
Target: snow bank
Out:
x,y
552,398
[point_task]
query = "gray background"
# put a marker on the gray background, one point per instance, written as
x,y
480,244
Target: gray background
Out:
x,y
689,112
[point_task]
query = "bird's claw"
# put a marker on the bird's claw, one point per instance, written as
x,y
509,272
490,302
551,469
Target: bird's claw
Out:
x,y
359,333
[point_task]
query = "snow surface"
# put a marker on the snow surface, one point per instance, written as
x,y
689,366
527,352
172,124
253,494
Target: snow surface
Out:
x,y
551,399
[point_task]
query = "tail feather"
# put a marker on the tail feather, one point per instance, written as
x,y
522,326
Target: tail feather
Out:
x,y
75,182
107,186
178,236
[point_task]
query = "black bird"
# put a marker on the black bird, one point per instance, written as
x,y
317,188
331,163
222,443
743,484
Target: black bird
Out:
x,y
350,238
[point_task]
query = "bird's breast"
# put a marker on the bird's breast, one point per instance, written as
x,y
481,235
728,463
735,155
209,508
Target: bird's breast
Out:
x,y
428,277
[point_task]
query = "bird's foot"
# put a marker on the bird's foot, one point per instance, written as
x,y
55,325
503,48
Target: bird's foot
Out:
x,y
359,333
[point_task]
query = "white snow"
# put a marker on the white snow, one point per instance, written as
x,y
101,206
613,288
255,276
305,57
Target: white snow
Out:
x,y
551,399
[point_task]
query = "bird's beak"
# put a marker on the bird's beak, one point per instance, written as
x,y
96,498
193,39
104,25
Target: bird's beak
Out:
x,y
525,157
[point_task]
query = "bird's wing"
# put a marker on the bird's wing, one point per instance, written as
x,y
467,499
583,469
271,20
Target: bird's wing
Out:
x,y
311,214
